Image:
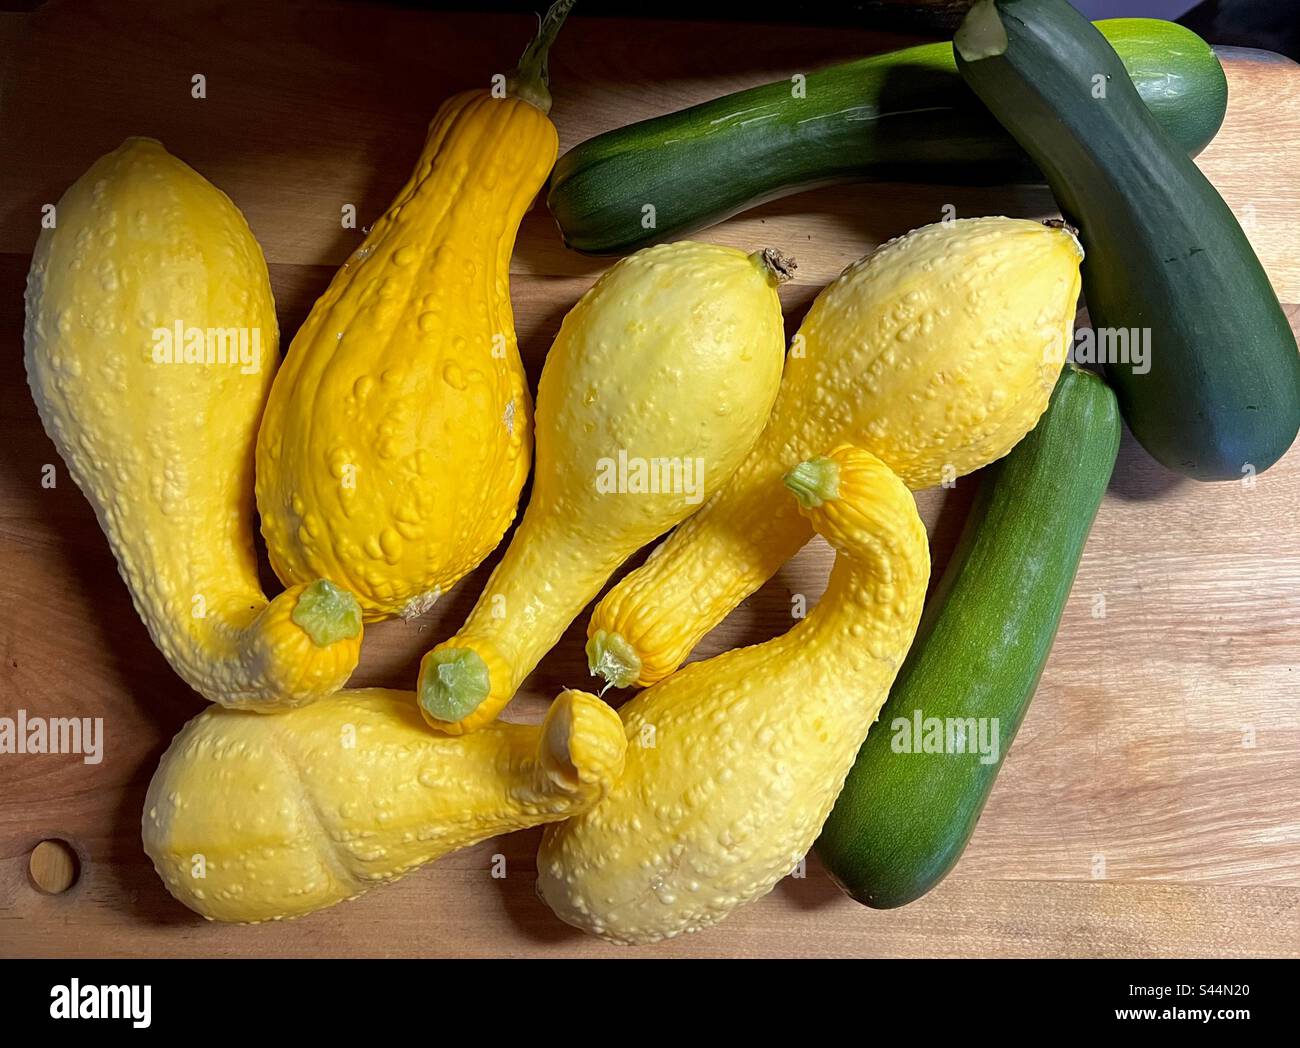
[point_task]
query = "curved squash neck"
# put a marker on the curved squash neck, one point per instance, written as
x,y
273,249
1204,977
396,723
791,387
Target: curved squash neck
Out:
x,y
481,166
521,620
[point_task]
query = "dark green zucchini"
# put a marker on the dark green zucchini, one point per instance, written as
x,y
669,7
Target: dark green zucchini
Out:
x,y
1218,393
903,116
903,818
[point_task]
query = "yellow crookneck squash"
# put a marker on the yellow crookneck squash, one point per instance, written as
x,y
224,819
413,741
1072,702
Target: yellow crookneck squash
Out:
x,y
151,342
260,818
658,383
937,353
398,434
733,764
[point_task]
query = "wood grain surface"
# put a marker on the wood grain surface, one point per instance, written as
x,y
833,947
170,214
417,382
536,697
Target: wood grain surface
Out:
x,y
1151,805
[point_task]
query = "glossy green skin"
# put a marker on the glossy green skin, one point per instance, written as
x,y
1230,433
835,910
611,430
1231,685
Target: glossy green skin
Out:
x,y
903,116
1162,250
903,819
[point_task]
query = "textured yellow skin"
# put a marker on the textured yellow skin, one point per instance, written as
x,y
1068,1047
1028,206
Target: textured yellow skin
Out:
x,y
937,353
675,352
733,764
398,433
164,451
288,814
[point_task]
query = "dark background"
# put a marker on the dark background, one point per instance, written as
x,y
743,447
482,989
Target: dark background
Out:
x,y
1270,24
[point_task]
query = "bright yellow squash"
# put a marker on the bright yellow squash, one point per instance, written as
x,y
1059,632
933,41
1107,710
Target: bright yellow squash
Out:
x,y
937,353
259,818
657,385
151,342
398,434
733,764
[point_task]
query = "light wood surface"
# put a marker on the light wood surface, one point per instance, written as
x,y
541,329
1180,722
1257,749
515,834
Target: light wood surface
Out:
x,y
1151,804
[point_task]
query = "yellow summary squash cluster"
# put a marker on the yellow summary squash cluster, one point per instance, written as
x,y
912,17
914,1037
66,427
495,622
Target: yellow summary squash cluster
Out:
x,y
388,454
937,353
674,356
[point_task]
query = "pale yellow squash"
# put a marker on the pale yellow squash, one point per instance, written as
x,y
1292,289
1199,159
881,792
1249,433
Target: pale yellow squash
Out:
x,y
260,818
656,386
151,342
733,764
937,353
399,431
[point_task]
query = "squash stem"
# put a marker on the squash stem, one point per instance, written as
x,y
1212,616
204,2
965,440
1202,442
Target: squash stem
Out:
x,y
814,482
981,34
327,613
611,657
531,78
453,683
1060,223
778,267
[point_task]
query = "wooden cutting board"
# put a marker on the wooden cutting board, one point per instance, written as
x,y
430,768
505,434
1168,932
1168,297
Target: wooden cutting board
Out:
x,y
1151,804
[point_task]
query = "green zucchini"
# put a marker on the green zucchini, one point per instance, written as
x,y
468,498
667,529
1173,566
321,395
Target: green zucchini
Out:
x,y
903,818
903,116
1216,393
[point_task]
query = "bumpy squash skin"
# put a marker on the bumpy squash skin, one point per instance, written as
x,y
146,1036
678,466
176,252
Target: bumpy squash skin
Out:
x,y
675,352
937,353
398,433
164,451
285,815
733,763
